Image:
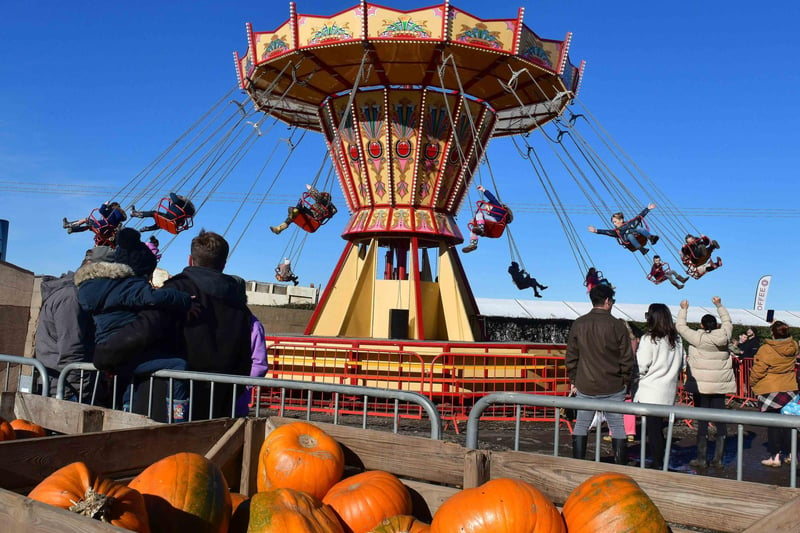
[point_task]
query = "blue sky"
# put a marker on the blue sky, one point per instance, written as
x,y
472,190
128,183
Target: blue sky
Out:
x,y
701,95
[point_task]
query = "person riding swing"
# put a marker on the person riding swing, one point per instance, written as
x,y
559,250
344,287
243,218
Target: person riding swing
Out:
x,y
174,214
632,234
523,280
490,220
313,209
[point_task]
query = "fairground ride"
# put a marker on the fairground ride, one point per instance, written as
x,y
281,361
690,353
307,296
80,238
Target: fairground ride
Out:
x,y
407,102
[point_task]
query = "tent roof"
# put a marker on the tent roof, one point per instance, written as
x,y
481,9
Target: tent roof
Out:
x,y
554,310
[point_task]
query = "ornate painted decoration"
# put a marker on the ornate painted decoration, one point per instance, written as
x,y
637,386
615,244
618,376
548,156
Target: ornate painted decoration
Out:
x,y
405,27
328,34
480,35
276,46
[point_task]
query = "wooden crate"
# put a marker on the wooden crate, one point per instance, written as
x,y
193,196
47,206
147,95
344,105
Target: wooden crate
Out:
x,y
66,417
432,470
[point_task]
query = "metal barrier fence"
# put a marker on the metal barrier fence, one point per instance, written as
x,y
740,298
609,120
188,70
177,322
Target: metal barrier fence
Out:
x,y
340,397
452,379
742,367
14,365
643,410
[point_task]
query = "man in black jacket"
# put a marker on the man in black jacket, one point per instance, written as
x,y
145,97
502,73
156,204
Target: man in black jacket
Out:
x,y
599,361
214,338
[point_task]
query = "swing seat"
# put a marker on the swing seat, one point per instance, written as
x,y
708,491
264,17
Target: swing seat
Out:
x,y
689,257
312,215
658,280
492,229
105,233
641,239
172,218
698,271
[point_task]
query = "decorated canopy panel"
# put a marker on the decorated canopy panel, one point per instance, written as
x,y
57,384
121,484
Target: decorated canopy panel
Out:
x,y
402,165
292,71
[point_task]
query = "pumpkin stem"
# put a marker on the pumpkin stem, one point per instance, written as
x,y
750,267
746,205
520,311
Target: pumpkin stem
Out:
x,y
307,441
94,505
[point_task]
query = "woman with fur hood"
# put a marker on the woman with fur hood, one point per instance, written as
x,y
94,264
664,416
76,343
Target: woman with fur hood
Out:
x,y
114,290
710,372
774,380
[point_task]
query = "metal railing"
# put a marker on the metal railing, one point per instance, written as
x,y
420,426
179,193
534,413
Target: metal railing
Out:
x,y
36,366
332,392
643,410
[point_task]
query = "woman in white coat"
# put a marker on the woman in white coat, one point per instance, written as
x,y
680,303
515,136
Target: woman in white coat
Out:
x,y
660,359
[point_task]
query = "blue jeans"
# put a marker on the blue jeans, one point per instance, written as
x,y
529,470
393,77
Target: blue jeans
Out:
x,y
179,391
630,235
584,418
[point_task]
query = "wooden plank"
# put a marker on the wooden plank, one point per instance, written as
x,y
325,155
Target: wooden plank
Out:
x,y
71,417
113,453
254,434
7,401
691,501
785,519
228,445
23,515
404,456
476,468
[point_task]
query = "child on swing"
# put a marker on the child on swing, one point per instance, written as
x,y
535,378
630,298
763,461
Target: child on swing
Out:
x,y
626,232
495,213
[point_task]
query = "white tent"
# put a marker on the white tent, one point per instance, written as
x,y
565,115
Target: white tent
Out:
x,y
554,310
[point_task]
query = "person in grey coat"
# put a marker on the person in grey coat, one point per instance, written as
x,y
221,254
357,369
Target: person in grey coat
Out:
x,y
710,372
65,332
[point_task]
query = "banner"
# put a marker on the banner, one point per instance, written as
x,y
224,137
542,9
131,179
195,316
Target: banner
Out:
x,y
761,293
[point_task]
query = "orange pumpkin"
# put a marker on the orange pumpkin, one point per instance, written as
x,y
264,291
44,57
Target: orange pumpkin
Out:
x,y
363,500
237,499
185,492
401,523
300,456
498,505
611,502
240,518
74,487
6,431
26,429
289,510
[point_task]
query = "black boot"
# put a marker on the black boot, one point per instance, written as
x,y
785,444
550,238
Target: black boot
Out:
x,y
620,447
579,446
719,451
702,454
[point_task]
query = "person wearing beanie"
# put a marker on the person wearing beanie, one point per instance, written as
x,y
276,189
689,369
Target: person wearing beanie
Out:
x,y
114,292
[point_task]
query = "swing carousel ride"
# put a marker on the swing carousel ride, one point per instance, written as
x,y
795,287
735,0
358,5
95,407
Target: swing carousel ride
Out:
x,y
407,102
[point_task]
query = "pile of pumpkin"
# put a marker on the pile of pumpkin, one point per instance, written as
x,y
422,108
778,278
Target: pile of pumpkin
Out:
x,y
300,489
19,428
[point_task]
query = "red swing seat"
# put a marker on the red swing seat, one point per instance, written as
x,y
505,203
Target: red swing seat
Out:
x,y
665,268
172,218
492,229
695,264
312,215
105,234
641,239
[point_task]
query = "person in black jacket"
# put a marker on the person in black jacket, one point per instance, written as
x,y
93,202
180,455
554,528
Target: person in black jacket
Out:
x,y
215,337
750,345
